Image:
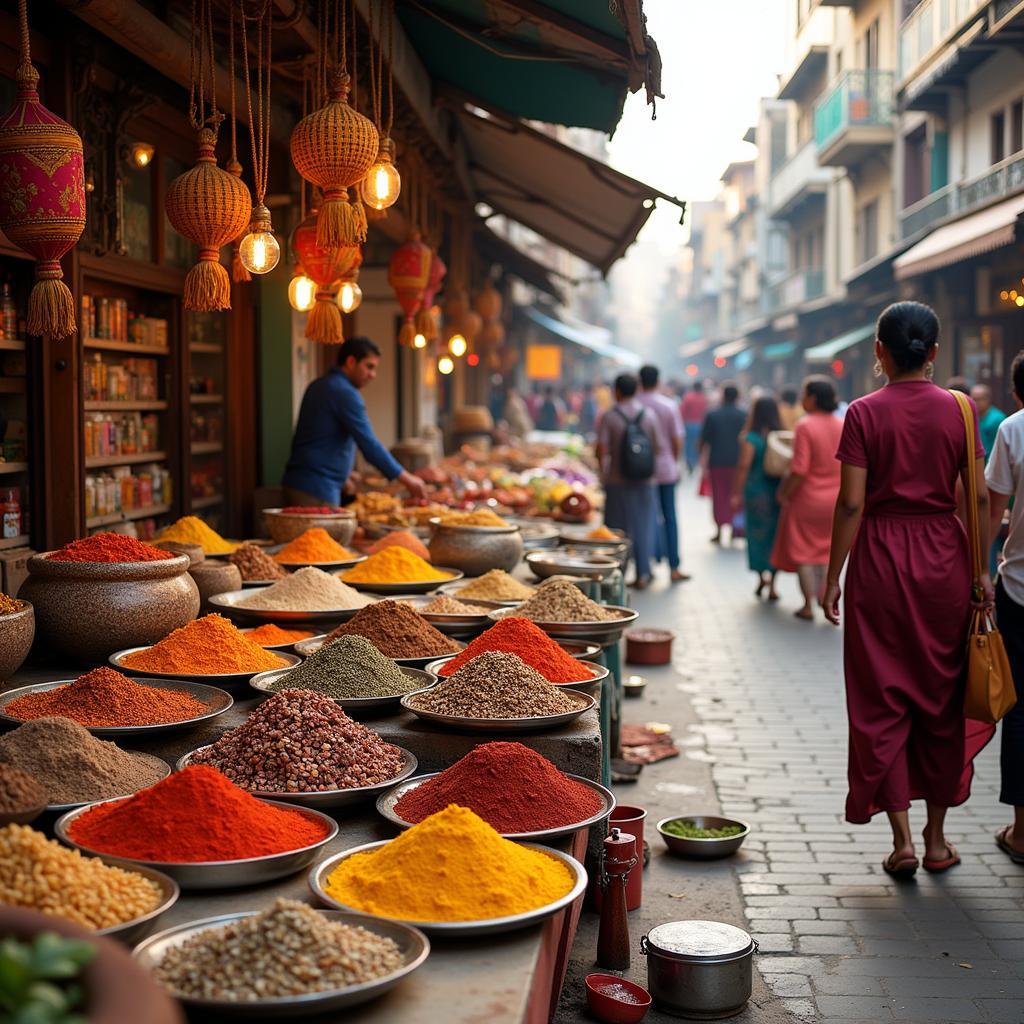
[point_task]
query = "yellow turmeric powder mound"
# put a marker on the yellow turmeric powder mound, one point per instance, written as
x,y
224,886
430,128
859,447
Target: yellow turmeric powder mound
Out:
x,y
192,530
394,565
452,866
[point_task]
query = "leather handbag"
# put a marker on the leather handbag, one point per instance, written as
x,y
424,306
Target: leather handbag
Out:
x,y
778,453
990,691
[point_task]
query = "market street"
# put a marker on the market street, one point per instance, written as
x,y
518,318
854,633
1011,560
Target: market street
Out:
x,y
757,700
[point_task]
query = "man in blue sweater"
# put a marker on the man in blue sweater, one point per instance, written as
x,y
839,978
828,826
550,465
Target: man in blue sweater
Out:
x,y
332,423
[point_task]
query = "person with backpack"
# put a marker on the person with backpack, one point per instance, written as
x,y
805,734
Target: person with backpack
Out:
x,y
627,445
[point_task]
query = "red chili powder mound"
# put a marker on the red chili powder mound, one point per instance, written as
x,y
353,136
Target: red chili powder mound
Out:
x,y
520,636
109,547
542,797
104,697
194,815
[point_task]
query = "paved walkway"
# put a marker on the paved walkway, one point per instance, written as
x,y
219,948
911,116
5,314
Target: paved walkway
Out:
x,y
840,941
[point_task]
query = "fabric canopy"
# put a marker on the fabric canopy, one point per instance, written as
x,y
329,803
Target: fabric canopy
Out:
x,y
563,195
731,348
828,350
973,235
597,339
694,348
779,350
498,250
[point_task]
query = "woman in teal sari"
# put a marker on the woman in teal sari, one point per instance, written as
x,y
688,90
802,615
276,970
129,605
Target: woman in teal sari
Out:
x,y
755,493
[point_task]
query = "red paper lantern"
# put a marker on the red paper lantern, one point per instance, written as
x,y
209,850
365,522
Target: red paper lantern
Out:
x,y
42,197
426,323
324,267
408,275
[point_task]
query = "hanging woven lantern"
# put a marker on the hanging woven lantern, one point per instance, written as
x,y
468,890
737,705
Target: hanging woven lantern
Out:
x,y
456,305
492,336
408,275
42,198
471,325
211,208
488,302
324,267
333,148
426,322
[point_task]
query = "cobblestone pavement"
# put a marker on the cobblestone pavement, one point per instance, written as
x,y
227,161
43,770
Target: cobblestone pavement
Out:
x,y
840,940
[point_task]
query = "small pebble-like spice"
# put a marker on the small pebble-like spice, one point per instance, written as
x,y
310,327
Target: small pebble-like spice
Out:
x,y
495,685
71,764
40,874
19,791
302,742
10,605
445,605
347,667
104,697
287,950
562,601
496,585
397,631
255,564
271,635
308,590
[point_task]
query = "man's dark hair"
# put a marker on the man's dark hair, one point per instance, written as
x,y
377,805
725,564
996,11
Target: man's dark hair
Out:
x,y
648,377
790,395
961,384
1017,374
625,385
730,393
698,386
358,349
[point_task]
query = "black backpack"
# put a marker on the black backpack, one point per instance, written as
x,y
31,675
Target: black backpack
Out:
x,y
636,456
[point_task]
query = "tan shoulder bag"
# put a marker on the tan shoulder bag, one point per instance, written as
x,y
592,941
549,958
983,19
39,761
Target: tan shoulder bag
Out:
x,y
990,690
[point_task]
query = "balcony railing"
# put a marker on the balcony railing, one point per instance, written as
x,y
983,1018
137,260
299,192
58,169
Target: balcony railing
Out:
x,y
800,174
859,97
929,26
795,289
1004,179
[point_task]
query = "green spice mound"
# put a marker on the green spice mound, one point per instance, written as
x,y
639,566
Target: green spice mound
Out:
x,y
686,829
348,667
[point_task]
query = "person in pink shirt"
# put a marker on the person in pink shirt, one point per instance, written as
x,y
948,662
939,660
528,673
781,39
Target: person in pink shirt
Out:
x,y
694,407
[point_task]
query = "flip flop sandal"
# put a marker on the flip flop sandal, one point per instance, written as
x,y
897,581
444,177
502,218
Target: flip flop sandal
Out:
x,y
905,867
1001,841
937,867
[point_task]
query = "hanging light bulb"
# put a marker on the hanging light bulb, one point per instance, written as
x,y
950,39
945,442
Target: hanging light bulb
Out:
x,y
260,250
349,296
302,293
445,365
383,184
420,341
457,345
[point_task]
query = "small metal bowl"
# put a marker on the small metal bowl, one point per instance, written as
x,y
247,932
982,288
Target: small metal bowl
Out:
x,y
217,874
223,679
703,849
469,624
309,647
422,677
544,564
634,686
135,930
456,591
420,587
229,604
604,630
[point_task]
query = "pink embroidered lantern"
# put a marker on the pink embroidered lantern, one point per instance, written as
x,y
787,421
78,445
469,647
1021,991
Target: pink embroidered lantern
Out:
x,y
324,267
408,275
42,196
426,322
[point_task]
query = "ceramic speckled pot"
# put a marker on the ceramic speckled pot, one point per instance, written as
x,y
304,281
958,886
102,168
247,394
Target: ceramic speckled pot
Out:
x,y
285,526
17,631
87,610
194,551
476,549
215,577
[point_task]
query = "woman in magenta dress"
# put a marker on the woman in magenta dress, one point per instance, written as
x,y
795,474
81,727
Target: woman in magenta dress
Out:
x,y
908,593
808,494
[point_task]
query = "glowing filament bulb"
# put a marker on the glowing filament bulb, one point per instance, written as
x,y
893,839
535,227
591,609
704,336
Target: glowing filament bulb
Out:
x,y
445,365
383,184
349,296
420,341
302,293
260,250
457,345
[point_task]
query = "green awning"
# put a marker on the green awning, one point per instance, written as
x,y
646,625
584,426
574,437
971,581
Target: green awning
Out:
x,y
567,62
828,350
779,350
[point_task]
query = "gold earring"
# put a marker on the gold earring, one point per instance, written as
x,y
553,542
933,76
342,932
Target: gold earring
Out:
x,y
878,369
929,370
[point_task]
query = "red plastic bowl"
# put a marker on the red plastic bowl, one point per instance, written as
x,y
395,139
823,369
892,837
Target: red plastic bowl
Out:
x,y
612,1008
649,646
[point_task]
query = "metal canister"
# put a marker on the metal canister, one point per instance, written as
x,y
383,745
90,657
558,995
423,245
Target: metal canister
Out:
x,y
702,970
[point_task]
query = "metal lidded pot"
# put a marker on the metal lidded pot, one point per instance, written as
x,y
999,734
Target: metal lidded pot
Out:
x,y
702,970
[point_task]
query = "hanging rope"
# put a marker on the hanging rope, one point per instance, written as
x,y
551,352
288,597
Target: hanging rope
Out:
x,y
260,122
391,66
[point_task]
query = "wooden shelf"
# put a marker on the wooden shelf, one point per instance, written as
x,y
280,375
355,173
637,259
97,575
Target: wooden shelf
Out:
x,y
13,467
95,461
207,348
207,447
12,385
208,502
11,345
126,406
127,516
206,399
125,346
14,542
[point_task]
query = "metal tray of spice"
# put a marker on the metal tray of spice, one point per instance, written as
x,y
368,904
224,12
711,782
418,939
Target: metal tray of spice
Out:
x,y
309,647
606,630
386,808
536,535
158,763
535,724
344,563
553,563
130,932
423,678
216,874
455,929
453,625
579,650
228,603
214,679
591,686
327,799
413,946
216,700
408,587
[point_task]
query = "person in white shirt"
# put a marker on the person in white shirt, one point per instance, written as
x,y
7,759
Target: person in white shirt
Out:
x,y
1004,475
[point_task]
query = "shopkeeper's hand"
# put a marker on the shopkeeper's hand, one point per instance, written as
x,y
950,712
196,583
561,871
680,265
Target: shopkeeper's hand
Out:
x,y
413,484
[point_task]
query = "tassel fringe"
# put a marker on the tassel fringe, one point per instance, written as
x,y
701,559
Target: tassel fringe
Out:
x,y
340,223
207,288
51,309
407,334
425,324
324,323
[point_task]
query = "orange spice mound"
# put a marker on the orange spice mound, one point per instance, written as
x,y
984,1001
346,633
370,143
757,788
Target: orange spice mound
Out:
x,y
207,646
314,546
602,533
270,635
404,539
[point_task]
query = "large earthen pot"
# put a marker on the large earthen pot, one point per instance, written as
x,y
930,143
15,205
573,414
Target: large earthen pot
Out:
x,y
475,549
86,611
117,989
286,526
215,577
17,631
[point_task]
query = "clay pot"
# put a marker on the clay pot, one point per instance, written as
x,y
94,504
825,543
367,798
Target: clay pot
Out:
x,y
476,549
86,611
117,988
195,553
215,577
16,634
286,526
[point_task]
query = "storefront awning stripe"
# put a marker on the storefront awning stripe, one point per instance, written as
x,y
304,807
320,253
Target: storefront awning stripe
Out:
x,y
779,350
828,350
597,339
694,348
973,235
731,348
